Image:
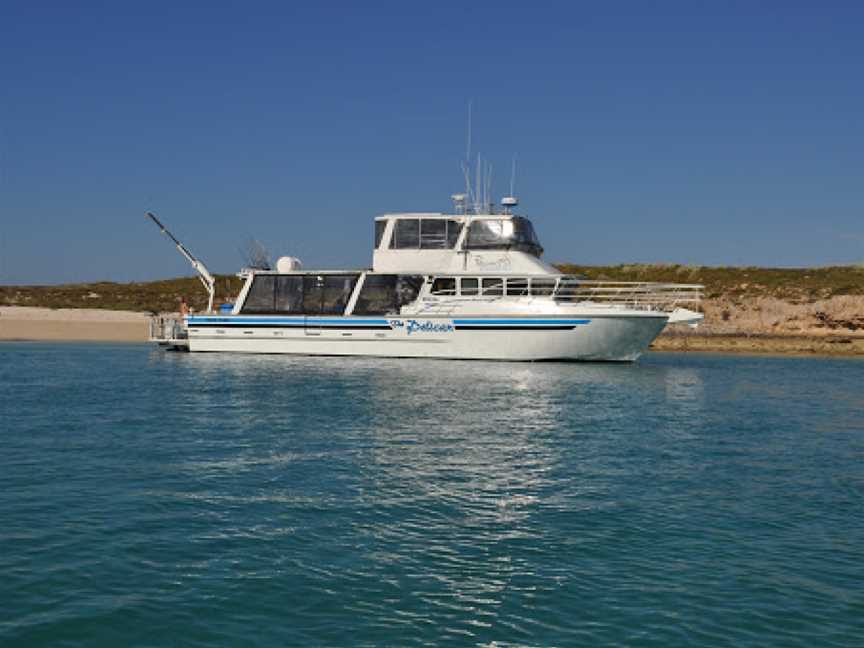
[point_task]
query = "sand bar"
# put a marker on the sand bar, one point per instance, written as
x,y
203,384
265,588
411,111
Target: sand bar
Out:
x,y
72,324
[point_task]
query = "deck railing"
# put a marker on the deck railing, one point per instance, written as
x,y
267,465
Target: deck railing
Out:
x,y
646,295
653,295
167,328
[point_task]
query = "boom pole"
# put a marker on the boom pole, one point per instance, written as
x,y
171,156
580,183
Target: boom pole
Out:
x,y
203,274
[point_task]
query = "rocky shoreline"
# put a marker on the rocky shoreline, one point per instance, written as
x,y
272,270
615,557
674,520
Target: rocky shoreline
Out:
x,y
831,345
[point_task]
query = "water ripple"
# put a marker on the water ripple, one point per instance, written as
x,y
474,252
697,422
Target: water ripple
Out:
x,y
152,499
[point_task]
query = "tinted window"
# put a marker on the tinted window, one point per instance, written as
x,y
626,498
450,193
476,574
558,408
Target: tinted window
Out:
x,y
433,234
493,286
517,286
444,286
407,289
515,233
386,294
453,230
377,296
289,294
380,226
406,234
261,295
337,291
313,293
469,286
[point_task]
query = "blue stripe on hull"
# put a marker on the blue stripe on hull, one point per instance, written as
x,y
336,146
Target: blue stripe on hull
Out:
x,y
520,322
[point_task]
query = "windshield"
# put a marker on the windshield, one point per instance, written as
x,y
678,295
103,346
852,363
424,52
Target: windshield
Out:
x,y
515,233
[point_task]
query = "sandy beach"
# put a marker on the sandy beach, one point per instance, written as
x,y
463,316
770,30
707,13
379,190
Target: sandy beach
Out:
x,y
72,324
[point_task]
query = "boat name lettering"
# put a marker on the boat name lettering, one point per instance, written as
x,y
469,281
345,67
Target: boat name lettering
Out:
x,y
501,263
421,326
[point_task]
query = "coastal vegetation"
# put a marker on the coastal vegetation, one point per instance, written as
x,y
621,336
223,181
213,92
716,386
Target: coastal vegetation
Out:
x,y
151,296
738,283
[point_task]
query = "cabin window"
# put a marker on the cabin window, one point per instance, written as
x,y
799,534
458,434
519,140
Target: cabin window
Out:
x,y
453,230
261,295
425,234
337,291
327,294
407,289
514,233
517,287
386,294
493,287
444,286
313,293
406,235
433,234
377,296
380,226
541,287
469,286
300,294
289,294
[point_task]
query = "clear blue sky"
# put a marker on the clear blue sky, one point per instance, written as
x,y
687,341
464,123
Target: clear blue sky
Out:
x,y
694,132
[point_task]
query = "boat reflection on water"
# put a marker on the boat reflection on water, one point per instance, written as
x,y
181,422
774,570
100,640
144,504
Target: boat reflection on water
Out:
x,y
464,486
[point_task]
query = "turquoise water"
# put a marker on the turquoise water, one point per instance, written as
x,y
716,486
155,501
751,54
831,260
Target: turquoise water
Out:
x,y
151,498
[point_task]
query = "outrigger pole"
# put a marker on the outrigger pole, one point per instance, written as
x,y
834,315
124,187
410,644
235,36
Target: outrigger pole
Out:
x,y
203,274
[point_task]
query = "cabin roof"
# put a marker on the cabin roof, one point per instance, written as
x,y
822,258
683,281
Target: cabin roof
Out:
x,y
443,216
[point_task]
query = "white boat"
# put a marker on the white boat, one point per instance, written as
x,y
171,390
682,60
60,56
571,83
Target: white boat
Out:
x,y
461,286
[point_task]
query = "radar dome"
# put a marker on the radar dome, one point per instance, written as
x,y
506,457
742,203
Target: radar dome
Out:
x,y
288,264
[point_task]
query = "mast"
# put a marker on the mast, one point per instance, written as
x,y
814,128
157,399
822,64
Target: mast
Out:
x,y
203,274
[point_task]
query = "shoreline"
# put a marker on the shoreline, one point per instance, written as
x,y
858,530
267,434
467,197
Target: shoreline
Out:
x,y
31,324
786,345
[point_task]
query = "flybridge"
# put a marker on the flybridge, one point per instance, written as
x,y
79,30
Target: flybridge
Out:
x,y
457,243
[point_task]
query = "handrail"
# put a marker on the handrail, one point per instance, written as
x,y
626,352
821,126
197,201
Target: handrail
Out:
x,y
569,289
653,295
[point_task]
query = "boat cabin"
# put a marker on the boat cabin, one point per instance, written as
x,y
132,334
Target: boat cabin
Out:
x,y
417,259
457,243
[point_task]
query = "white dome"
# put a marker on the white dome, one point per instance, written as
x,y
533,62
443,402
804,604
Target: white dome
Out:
x,y
288,264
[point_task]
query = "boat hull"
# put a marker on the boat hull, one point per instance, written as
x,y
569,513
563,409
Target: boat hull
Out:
x,y
622,337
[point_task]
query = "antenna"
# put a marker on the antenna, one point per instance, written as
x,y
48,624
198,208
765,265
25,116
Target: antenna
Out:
x,y
487,191
468,147
509,202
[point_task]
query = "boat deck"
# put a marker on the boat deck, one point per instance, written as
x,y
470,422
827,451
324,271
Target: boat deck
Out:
x,y
169,332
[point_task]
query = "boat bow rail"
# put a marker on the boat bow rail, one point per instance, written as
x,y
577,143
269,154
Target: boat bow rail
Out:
x,y
632,294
